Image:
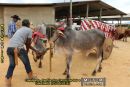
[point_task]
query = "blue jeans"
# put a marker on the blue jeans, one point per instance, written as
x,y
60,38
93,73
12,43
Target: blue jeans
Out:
x,y
24,58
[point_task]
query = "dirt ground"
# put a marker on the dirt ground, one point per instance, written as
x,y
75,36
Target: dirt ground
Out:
x,y
116,69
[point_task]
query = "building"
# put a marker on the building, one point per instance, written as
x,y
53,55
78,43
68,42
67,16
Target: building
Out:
x,y
39,13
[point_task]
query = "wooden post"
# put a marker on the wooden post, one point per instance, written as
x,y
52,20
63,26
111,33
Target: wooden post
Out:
x,y
50,59
100,17
118,23
71,14
87,10
112,21
121,21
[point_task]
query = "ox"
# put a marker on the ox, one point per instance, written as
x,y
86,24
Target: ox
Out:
x,y
42,34
122,35
84,41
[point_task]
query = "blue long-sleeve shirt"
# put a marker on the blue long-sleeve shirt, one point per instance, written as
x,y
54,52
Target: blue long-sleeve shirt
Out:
x,y
11,29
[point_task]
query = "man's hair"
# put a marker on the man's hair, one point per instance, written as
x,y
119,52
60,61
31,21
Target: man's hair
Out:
x,y
26,23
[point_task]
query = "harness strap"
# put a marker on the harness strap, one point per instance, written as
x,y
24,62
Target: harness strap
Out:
x,y
37,34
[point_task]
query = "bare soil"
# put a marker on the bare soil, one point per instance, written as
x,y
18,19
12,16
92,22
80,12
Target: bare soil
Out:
x,y
116,69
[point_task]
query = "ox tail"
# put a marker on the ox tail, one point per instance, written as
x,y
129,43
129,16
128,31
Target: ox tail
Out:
x,y
102,54
102,51
107,48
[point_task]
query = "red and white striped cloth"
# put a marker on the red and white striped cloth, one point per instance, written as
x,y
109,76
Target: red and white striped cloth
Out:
x,y
93,24
85,25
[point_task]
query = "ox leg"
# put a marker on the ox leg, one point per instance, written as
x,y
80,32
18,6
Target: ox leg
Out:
x,y
123,39
126,38
40,62
98,66
65,72
41,57
68,61
69,53
34,57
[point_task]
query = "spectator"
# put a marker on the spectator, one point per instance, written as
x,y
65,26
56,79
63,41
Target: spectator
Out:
x,y
12,25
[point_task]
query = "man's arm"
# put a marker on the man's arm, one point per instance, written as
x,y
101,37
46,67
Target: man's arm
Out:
x,y
28,45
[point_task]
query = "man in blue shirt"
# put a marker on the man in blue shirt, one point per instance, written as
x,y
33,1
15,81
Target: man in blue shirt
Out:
x,y
12,25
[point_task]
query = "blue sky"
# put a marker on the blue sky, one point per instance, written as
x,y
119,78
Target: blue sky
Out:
x,y
122,5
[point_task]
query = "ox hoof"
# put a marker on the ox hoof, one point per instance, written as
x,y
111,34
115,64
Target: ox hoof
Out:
x,y
100,69
40,65
68,77
94,73
35,60
64,73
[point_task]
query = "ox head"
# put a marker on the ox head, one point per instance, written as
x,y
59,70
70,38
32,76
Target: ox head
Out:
x,y
59,33
50,31
46,29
